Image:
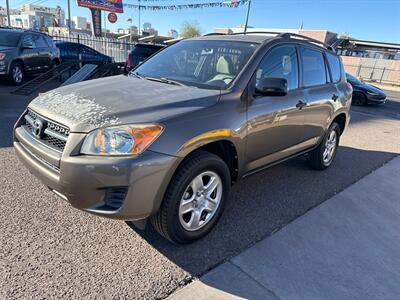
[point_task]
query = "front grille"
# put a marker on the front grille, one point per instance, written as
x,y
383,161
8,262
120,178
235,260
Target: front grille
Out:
x,y
50,133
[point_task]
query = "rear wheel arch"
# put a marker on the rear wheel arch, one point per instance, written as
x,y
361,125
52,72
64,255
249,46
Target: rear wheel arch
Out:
x,y
341,120
56,61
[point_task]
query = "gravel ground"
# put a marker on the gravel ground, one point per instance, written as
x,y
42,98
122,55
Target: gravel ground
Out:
x,y
50,250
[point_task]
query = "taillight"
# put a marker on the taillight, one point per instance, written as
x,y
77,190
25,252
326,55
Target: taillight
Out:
x,y
128,61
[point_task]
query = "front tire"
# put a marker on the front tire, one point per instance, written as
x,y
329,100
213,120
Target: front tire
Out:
x,y
194,199
359,99
16,75
322,157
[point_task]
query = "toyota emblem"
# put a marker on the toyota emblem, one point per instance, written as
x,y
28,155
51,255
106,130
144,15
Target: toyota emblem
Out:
x,y
37,128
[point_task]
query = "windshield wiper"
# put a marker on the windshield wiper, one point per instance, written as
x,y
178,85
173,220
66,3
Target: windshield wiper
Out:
x,y
170,81
136,74
164,80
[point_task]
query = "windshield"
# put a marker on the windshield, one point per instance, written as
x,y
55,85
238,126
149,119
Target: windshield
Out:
x,y
352,79
201,63
9,39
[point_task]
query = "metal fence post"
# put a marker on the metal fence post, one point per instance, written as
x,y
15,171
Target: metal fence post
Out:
x,y
358,70
383,72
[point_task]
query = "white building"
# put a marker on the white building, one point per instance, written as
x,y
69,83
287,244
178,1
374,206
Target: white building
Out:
x,y
48,16
148,30
79,22
173,33
25,21
3,15
146,26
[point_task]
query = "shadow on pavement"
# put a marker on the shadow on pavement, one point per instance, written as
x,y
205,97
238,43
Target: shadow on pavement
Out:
x,y
265,202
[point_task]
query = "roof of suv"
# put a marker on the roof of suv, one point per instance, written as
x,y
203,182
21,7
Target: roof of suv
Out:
x,y
260,37
20,30
251,38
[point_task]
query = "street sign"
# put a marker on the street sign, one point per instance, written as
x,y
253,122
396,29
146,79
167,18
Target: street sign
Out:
x,y
96,21
112,17
114,6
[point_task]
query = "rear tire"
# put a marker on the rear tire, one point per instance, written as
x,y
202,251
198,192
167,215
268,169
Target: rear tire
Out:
x,y
16,76
359,99
322,157
190,209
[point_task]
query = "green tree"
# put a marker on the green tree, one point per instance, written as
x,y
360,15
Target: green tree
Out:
x,y
190,29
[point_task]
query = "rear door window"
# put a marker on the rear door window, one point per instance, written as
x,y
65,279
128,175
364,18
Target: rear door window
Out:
x,y
29,40
40,42
313,67
335,66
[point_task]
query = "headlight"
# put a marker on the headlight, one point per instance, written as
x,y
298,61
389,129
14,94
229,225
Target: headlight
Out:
x,y
372,93
121,140
2,56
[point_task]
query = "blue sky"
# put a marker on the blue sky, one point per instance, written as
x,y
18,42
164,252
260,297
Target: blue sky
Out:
x,y
377,20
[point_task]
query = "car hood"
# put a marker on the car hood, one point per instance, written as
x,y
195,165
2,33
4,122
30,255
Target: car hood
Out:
x,y
368,87
119,100
373,89
6,48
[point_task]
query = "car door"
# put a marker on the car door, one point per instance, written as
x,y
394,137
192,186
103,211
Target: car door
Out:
x,y
275,123
29,53
44,59
320,92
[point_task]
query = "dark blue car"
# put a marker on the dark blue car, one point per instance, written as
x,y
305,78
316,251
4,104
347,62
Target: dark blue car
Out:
x,y
70,51
364,93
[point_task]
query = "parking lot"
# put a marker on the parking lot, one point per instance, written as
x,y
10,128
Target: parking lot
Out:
x,y
51,250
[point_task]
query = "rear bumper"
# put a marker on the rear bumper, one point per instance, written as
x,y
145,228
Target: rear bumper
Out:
x,y
85,181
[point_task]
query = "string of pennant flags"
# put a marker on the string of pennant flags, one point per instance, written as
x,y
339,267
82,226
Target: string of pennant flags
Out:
x,y
229,4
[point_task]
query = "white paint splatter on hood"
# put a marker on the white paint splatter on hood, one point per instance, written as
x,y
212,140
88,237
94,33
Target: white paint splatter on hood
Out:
x,y
114,100
74,108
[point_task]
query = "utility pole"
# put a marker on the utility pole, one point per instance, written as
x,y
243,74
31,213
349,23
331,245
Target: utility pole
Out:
x,y
69,17
8,13
105,23
247,16
139,19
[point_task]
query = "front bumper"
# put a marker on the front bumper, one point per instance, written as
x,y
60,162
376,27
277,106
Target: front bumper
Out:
x,y
3,67
85,181
376,99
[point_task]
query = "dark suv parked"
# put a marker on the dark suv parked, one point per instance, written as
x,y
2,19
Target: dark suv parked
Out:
x,y
23,51
167,142
139,54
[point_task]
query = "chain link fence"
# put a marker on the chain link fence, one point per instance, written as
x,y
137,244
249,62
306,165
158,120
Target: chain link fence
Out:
x,y
371,69
117,49
376,74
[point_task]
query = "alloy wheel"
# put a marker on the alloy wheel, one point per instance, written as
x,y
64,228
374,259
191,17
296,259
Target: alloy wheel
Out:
x,y
200,201
17,74
330,147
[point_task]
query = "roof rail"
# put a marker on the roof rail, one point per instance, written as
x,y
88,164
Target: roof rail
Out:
x,y
255,32
214,33
295,35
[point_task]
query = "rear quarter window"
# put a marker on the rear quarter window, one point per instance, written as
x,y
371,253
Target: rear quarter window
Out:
x,y
335,66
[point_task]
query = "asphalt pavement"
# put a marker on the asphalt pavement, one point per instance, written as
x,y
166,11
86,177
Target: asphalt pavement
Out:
x,y
50,250
346,248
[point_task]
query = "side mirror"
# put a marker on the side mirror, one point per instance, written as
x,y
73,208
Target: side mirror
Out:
x,y
271,86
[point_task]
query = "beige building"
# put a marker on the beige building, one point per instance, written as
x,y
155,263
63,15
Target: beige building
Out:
x,y
320,35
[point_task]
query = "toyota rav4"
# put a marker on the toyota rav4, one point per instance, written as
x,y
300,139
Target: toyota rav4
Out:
x,y
166,142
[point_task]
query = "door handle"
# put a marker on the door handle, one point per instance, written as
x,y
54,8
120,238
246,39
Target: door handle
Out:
x,y
301,104
335,97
